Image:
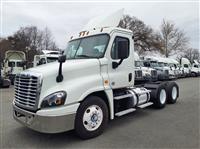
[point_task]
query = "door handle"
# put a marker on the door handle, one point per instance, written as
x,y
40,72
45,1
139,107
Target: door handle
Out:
x,y
130,77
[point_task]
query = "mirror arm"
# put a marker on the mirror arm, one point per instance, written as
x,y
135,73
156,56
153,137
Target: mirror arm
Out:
x,y
115,64
61,60
59,78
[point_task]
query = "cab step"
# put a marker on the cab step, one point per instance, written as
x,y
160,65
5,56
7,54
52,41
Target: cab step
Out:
x,y
145,105
124,112
122,96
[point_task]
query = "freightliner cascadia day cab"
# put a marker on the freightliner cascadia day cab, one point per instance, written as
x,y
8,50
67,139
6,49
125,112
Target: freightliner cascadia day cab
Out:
x,y
92,83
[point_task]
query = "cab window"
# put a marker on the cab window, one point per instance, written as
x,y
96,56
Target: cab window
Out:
x,y
185,65
11,64
118,44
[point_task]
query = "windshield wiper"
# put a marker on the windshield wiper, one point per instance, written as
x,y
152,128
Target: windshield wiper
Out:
x,y
85,56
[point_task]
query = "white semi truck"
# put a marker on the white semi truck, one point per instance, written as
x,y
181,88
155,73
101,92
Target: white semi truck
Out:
x,y
47,57
14,63
185,67
195,68
92,83
142,73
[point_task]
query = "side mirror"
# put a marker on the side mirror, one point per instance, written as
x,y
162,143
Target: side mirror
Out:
x,y
62,58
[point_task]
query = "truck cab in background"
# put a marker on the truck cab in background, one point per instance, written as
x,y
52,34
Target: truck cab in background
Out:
x,y
143,73
185,67
195,69
174,66
14,63
165,63
163,73
47,57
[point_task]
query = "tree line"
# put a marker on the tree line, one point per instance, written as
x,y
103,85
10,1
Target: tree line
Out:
x,y
30,40
168,40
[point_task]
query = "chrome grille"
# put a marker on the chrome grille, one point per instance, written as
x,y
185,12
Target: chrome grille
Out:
x,y
138,73
153,73
27,88
167,72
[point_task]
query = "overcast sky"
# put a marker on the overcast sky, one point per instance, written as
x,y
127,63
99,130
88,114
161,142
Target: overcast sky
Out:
x,y
64,19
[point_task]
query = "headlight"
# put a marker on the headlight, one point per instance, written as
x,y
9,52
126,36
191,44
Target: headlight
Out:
x,y
55,99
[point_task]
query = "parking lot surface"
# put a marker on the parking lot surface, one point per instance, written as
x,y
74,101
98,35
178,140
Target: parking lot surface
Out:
x,y
175,126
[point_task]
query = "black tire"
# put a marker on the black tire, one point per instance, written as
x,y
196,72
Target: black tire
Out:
x,y
172,97
156,97
193,74
80,129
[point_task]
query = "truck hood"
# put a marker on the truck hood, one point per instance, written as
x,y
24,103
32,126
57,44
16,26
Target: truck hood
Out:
x,y
79,74
67,67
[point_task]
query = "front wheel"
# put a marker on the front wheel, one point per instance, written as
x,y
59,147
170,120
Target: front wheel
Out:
x,y
91,118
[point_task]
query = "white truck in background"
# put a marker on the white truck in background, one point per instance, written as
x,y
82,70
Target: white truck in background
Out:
x,y
4,83
164,62
185,67
92,83
14,63
47,57
195,68
174,66
142,73
153,62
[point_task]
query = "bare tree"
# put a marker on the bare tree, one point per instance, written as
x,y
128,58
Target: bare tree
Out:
x,y
191,54
144,37
173,38
31,40
47,39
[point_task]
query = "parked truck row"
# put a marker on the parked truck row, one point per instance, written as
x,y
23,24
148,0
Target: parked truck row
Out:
x,y
151,69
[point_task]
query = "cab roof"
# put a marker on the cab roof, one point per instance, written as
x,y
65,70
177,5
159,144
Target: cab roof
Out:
x,y
98,31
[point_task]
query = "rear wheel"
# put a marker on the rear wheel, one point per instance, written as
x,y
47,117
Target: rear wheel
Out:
x,y
172,92
160,97
91,118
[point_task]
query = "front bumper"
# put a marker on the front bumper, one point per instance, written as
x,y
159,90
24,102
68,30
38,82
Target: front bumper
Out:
x,y
47,121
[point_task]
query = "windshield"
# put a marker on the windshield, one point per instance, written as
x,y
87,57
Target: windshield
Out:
x,y
166,64
20,64
89,47
139,64
154,64
11,64
51,59
161,64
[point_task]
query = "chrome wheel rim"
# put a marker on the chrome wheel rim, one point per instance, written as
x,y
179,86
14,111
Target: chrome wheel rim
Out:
x,y
174,93
163,96
92,117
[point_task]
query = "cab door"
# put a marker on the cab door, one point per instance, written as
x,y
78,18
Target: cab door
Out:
x,y
121,62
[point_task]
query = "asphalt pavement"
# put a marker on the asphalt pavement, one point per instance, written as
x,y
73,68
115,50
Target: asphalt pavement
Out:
x,y
175,126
